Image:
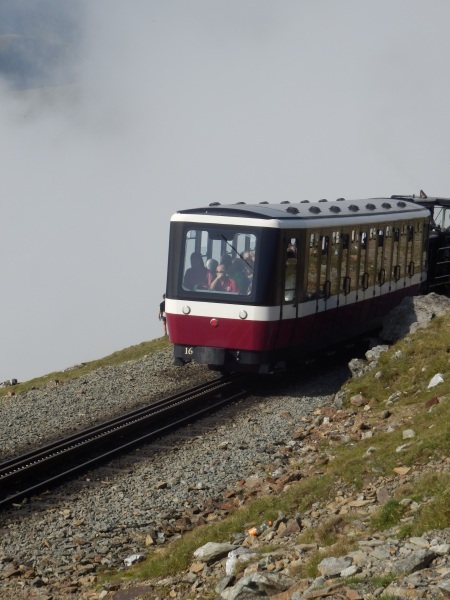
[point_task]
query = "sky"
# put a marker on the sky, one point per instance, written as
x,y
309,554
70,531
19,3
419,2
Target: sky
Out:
x,y
154,106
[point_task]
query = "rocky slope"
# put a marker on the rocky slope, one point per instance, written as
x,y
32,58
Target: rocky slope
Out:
x,y
264,447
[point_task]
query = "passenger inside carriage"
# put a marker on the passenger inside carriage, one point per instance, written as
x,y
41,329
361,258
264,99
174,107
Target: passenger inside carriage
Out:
x,y
239,274
226,260
291,274
222,282
211,265
249,265
197,276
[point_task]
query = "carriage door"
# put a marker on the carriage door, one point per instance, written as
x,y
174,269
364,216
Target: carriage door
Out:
x,y
325,300
290,293
348,278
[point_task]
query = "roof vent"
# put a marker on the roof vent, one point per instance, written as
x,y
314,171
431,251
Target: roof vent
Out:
x,y
340,199
401,204
314,209
285,202
386,205
240,202
335,208
264,202
353,208
292,209
370,206
323,200
214,204
304,201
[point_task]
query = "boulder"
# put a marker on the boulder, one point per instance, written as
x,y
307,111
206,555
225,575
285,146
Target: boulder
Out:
x,y
411,314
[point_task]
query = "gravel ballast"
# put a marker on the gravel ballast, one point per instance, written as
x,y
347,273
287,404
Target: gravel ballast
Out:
x,y
108,515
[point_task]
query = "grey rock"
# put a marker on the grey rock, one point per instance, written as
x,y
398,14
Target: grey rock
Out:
x,y
444,588
440,549
420,541
408,434
213,551
224,583
373,355
239,555
417,560
412,314
357,367
257,585
330,567
349,571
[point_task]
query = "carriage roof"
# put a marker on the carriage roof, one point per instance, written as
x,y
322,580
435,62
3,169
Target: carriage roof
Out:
x,y
380,208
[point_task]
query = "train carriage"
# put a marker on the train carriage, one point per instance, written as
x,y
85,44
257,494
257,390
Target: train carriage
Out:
x,y
251,287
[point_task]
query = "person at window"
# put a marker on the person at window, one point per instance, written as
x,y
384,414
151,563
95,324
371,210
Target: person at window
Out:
x,y
197,275
291,266
239,274
211,265
249,268
222,282
291,251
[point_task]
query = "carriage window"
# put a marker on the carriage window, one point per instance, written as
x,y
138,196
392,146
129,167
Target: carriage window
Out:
x,y
371,264
363,260
312,277
290,279
387,253
396,267
219,260
445,218
324,283
402,250
410,250
335,262
381,273
418,244
424,231
352,268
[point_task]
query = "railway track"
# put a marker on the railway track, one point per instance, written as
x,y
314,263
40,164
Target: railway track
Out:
x,y
30,473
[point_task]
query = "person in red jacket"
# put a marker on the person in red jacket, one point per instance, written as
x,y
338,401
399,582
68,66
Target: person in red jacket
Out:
x,y
222,282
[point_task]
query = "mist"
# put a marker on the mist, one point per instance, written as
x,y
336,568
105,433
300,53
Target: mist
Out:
x,y
150,107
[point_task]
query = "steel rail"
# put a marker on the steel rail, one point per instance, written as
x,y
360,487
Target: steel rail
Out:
x,y
24,475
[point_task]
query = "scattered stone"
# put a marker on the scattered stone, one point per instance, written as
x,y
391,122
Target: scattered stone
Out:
x,y
257,584
213,551
432,402
330,567
408,434
133,559
435,380
402,470
414,562
239,555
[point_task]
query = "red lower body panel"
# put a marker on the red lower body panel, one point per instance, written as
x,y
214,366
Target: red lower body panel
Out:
x,y
320,329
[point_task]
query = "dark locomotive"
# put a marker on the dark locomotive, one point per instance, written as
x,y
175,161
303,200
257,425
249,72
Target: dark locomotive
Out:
x,y
253,287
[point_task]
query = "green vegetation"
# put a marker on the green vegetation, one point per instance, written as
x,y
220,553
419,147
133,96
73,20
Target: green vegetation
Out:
x,y
340,548
406,368
388,515
178,556
399,383
409,365
122,356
